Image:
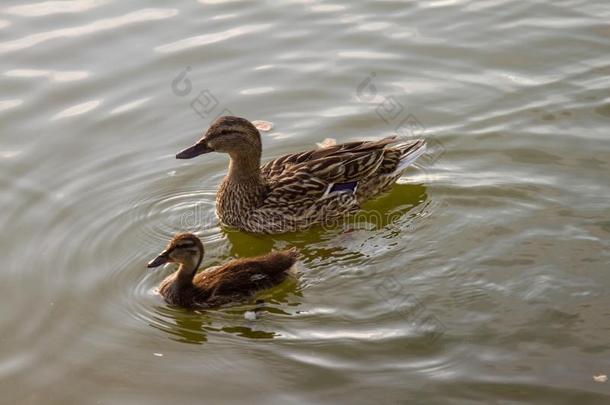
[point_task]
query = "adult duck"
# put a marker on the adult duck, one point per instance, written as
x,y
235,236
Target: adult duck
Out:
x,y
233,281
298,190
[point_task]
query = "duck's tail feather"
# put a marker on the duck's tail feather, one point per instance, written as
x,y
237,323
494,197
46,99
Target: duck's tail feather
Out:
x,y
410,151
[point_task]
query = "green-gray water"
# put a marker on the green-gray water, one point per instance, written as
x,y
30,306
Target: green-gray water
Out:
x,y
481,278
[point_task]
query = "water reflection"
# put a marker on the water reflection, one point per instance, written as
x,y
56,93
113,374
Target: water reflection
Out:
x,y
145,15
194,326
187,326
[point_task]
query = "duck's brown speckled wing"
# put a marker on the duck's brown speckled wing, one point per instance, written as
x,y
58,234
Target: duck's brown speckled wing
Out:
x,y
307,176
323,159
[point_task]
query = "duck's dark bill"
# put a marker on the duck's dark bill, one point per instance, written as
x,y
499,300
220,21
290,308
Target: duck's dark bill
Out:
x,y
158,261
198,149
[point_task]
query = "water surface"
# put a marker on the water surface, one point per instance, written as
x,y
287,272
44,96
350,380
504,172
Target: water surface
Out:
x,y
481,277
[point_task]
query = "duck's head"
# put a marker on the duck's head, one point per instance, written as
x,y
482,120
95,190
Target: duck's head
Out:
x,y
233,135
184,248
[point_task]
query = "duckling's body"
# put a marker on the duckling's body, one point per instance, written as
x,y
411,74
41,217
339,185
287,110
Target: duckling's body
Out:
x,y
234,281
298,190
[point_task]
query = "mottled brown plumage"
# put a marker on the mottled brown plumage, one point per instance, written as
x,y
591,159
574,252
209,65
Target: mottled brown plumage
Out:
x,y
298,190
233,281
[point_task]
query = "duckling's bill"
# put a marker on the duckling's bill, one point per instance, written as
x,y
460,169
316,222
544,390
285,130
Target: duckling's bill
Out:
x,y
197,149
159,260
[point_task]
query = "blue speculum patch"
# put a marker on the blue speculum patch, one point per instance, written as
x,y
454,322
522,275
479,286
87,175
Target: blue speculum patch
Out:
x,y
351,186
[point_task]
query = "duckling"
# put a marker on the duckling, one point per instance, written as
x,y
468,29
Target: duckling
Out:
x,y
298,190
233,281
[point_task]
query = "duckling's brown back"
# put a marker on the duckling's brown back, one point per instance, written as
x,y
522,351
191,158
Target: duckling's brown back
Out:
x,y
244,277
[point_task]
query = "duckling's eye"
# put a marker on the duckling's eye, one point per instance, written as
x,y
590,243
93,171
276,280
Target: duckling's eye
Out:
x,y
185,246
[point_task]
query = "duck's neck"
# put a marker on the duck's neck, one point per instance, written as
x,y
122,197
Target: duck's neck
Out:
x,y
245,169
241,191
186,271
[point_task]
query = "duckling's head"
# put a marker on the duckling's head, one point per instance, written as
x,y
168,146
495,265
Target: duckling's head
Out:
x,y
233,135
184,248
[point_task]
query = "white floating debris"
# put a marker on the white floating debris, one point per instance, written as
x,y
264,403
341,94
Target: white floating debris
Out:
x,y
326,143
250,315
264,126
158,354
600,378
